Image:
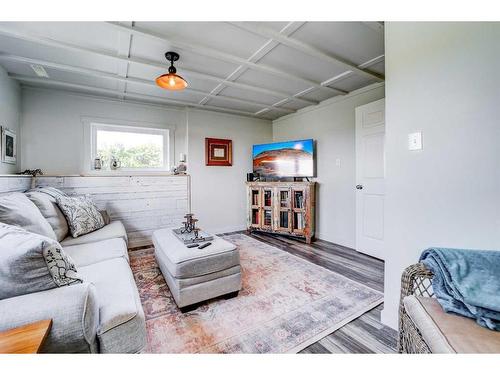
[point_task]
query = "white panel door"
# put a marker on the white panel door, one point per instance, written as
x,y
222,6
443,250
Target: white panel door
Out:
x,y
370,178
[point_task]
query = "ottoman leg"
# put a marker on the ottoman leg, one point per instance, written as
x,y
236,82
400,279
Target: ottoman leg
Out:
x,y
194,306
231,295
189,308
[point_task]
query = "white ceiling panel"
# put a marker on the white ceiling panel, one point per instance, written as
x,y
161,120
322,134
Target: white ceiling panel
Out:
x,y
276,26
96,35
378,68
81,79
251,95
147,72
17,47
223,103
317,95
96,57
353,41
154,50
14,67
272,115
294,105
217,35
184,95
301,65
353,82
89,91
272,82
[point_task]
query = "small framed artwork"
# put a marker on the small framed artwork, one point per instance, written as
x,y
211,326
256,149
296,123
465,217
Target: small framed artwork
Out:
x,y
8,146
219,152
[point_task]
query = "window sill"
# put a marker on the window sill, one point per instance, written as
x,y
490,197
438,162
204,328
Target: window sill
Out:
x,y
128,173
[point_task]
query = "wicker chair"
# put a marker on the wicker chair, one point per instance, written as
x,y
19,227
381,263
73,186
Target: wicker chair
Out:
x,y
416,280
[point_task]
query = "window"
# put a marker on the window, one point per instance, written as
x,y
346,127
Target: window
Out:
x,y
133,148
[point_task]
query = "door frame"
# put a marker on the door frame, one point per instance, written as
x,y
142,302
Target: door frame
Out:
x,y
375,252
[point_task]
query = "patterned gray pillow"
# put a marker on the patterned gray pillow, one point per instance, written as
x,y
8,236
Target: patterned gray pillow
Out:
x,y
31,263
81,213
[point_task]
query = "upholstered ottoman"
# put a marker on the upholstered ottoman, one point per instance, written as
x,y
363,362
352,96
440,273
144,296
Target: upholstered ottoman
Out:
x,y
195,275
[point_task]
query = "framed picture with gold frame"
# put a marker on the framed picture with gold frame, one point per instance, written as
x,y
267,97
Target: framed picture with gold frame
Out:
x,y
219,152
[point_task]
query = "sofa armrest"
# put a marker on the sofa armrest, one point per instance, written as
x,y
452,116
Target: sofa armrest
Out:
x,y
416,280
74,312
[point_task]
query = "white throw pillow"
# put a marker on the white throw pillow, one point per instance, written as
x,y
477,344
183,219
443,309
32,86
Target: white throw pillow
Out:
x,y
17,209
81,213
31,263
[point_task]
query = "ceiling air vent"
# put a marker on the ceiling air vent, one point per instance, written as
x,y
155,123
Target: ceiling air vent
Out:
x,y
40,71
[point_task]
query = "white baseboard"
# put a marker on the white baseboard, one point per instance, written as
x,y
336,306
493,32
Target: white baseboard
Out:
x,y
336,241
235,228
388,319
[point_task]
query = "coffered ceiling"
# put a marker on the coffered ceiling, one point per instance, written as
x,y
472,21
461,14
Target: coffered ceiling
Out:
x,y
260,69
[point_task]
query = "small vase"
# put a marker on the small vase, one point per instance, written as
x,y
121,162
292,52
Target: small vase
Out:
x,y
97,163
115,164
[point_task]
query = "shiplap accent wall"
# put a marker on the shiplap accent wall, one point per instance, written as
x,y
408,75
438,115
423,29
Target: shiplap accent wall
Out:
x,y
141,203
9,184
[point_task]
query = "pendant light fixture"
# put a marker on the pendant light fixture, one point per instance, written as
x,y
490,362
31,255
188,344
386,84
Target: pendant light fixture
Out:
x,y
171,81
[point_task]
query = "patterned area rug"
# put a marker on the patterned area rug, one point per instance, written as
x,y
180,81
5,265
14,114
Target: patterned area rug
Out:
x,y
286,304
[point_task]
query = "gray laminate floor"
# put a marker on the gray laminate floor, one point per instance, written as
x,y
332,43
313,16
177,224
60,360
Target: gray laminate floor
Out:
x,y
365,334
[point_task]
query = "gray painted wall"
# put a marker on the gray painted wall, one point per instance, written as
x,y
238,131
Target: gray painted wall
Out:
x,y
10,106
219,193
332,125
52,127
53,141
441,79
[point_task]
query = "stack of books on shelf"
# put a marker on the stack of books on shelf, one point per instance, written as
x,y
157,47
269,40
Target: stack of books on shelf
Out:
x,y
267,198
267,218
255,216
255,198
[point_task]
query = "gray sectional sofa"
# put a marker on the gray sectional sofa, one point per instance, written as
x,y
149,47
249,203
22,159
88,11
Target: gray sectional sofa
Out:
x,y
101,315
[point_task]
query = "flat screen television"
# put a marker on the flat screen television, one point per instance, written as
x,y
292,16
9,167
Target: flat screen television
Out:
x,y
284,159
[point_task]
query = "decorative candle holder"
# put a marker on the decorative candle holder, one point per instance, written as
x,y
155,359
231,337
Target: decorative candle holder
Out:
x,y
190,225
189,233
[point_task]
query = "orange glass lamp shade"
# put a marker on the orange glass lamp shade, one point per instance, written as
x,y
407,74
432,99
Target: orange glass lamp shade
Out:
x,y
171,80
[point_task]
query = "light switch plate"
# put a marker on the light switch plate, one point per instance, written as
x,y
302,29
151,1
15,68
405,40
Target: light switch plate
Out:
x,y
415,141
337,162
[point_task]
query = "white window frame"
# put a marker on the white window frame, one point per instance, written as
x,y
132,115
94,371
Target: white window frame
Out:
x,y
91,126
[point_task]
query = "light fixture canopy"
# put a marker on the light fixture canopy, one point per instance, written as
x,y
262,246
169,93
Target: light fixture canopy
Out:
x,y
171,81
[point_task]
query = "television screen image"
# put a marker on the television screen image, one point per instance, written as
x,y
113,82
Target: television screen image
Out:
x,y
284,159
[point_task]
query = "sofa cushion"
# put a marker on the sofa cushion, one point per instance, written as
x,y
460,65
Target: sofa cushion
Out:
x,y
81,213
184,283
17,209
122,326
449,333
47,205
115,229
31,263
85,254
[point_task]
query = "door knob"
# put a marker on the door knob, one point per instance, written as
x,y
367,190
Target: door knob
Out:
x,y
359,187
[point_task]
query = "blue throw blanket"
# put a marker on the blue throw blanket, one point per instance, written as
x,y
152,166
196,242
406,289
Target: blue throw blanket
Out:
x,y
467,282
